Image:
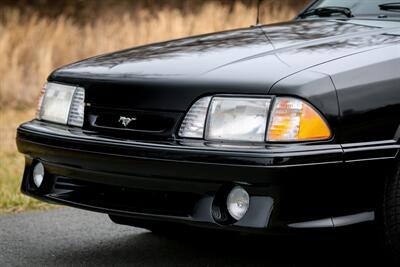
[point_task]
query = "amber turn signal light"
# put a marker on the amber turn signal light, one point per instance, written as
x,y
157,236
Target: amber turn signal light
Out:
x,y
295,120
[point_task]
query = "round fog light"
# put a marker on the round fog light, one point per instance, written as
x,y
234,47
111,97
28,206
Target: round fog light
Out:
x,y
38,174
238,202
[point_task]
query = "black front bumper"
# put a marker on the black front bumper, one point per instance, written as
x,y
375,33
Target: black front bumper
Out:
x,y
186,182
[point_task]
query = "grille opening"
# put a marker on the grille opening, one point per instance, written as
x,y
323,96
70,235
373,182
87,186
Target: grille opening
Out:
x,y
124,198
133,124
142,122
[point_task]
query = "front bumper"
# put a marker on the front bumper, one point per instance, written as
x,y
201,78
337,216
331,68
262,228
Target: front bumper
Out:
x,y
181,181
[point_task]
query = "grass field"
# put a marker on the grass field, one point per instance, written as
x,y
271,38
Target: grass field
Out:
x,y
34,40
11,165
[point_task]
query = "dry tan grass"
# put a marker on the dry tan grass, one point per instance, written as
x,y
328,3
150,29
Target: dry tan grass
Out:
x,y
31,47
12,165
9,121
11,200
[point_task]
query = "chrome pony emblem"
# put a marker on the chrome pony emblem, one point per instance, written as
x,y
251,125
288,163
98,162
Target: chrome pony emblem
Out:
x,y
126,121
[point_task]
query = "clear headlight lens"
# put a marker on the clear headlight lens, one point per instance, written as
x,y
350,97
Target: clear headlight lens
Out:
x,y
227,118
295,120
62,104
237,119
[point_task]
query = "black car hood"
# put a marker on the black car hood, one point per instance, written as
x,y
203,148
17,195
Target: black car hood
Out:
x,y
247,61
276,49
191,56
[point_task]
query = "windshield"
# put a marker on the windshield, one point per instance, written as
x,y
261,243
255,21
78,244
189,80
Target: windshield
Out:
x,y
359,8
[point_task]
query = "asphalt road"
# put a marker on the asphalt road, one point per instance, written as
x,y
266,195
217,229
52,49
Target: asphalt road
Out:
x,y
69,237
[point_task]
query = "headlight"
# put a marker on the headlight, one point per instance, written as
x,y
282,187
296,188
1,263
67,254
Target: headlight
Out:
x,y
237,119
62,104
227,118
245,119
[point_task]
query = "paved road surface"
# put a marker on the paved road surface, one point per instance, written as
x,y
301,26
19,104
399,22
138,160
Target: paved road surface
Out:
x,y
73,237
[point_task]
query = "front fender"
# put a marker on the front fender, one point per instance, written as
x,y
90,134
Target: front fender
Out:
x,y
316,88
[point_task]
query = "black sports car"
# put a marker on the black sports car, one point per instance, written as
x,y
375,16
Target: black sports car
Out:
x,y
268,129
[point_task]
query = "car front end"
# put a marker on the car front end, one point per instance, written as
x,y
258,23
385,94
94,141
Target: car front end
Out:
x,y
240,130
264,163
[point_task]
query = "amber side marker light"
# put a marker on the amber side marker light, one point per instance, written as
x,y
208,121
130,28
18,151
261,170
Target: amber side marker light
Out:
x,y
295,120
